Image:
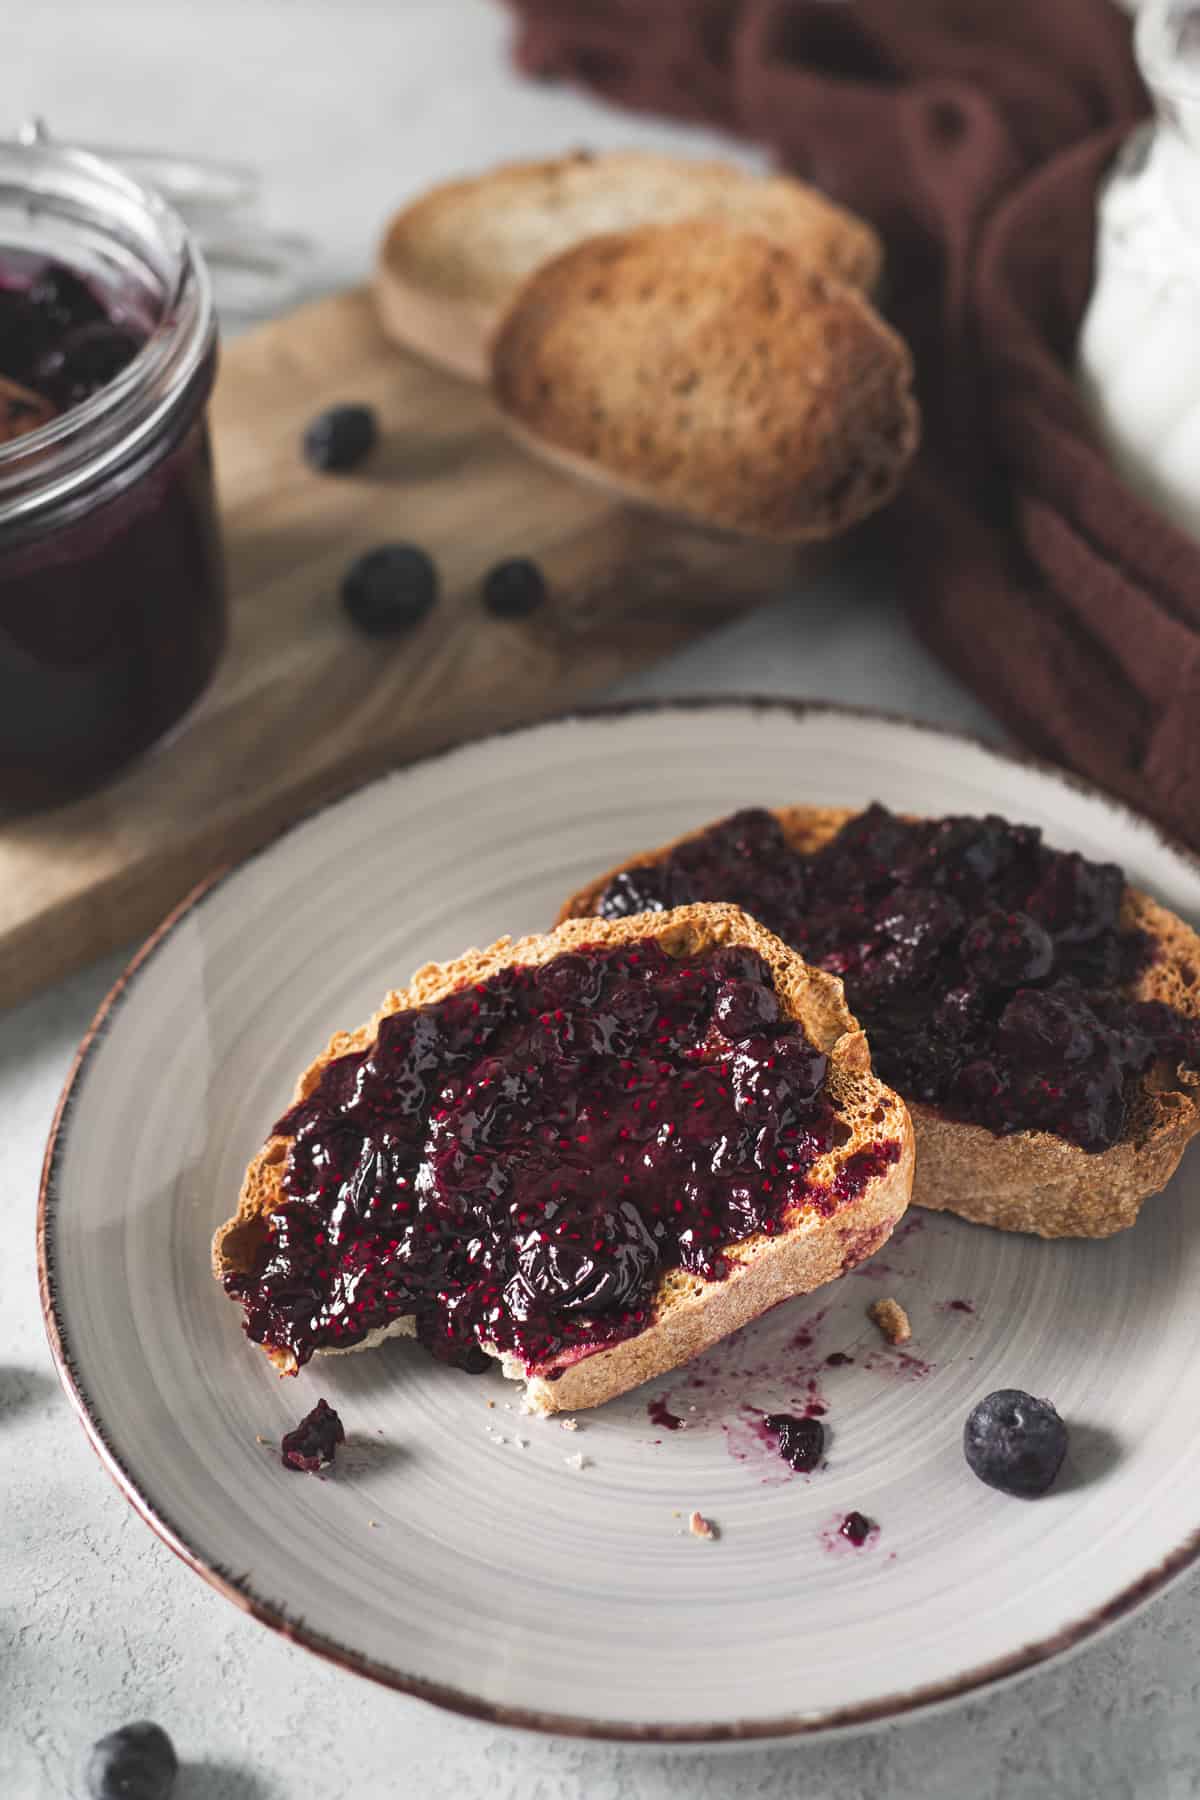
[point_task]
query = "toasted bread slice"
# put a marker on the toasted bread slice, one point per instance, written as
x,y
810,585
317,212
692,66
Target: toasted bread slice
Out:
x,y
1035,1181
688,1312
451,262
705,370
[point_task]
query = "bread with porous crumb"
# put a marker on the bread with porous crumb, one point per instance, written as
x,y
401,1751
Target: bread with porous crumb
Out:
x,y
688,1312
705,370
452,261
1036,1181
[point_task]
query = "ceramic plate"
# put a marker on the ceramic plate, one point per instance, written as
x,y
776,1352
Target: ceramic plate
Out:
x,y
499,1564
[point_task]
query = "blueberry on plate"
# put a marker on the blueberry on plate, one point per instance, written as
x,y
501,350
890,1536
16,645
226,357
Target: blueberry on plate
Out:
x,y
1014,1442
340,438
514,588
138,1762
390,590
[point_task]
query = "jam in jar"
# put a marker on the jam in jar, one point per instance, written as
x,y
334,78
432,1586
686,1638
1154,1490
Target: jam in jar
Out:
x,y
112,598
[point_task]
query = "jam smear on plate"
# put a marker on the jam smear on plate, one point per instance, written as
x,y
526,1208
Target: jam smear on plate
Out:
x,y
518,1164
990,972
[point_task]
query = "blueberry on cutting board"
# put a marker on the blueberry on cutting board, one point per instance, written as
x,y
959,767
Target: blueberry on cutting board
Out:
x,y
513,589
1015,1442
138,1762
390,590
339,439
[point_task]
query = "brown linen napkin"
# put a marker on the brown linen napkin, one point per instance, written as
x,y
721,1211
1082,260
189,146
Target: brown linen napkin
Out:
x,y
973,133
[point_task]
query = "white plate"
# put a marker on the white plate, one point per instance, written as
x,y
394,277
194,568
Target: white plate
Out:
x,y
456,1553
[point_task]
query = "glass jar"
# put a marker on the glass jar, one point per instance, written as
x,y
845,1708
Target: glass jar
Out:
x,y
1139,344
112,593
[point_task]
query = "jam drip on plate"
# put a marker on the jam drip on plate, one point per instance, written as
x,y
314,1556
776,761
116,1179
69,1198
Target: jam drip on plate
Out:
x,y
991,973
60,343
519,1164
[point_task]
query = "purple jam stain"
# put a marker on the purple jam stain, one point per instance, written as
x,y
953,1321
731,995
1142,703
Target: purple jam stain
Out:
x,y
518,1164
901,1363
661,1414
837,1359
312,1445
992,974
960,1306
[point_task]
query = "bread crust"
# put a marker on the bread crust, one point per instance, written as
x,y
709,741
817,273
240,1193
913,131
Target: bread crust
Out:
x,y
451,262
1034,1181
703,369
688,1313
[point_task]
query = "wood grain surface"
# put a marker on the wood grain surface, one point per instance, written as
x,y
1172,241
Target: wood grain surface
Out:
x,y
303,707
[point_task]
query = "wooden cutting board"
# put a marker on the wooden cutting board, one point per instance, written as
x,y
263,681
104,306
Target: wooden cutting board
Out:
x,y
303,707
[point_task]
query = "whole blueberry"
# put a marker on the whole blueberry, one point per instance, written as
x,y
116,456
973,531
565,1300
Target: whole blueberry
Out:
x,y
390,590
1014,1442
514,588
138,1762
339,439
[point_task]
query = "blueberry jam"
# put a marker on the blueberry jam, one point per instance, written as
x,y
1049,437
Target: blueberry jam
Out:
x,y
58,338
856,1528
519,1163
801,1440
990,972
112,593
312,1444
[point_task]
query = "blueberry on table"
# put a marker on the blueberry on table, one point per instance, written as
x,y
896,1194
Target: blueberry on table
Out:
x,y
390,590
1014,1442
339,439
514,588
138,1762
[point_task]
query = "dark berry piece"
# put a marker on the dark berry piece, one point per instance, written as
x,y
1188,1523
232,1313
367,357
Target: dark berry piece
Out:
x,y
801,1441
313,1444
390,590
856,1528
1007,949
64,299
339,439
1014,1442
138,1762
745,1009
515,588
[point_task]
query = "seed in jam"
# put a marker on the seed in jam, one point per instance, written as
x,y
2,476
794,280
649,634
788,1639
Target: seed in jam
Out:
x,y
991,974
801,1440
515,1166
312,1445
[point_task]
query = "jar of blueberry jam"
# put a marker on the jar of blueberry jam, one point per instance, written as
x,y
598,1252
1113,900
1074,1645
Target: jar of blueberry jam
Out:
x,y
112,598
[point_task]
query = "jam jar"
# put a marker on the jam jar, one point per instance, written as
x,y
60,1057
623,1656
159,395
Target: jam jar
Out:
x,y
112,593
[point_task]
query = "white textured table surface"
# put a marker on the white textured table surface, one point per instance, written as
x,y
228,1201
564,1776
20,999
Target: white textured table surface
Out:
x,y
347,106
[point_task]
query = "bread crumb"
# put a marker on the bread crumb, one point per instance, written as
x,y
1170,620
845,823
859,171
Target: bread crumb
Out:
x,y
374,1524
677,1514
260,1439
568,1424
491,1403
578,1461
701,1527
891,1319
521,1443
